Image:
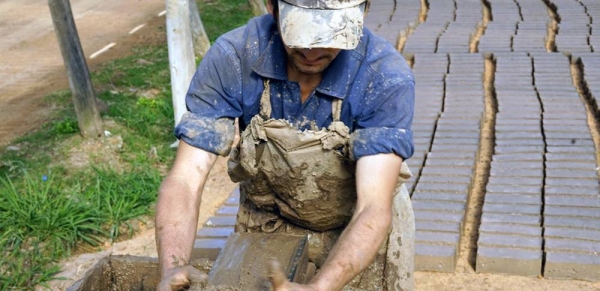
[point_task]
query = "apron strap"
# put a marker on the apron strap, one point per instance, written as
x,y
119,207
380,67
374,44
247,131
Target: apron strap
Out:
x,y
265,101
336,109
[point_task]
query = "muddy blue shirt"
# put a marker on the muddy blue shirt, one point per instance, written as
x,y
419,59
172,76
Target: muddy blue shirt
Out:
x,y
374,81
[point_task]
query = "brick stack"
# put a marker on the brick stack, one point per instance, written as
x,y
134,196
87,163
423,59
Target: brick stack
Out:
x,y
425,37
593,9
510,234
429,71
572,192
533,30
440,196
591,75
211,238
573,31
458,35
500,31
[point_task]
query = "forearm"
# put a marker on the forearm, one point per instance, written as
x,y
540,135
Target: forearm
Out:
x,y
178,205
355,249
176,223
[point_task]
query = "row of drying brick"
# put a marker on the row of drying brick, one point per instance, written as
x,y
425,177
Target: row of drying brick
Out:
x,y
553,154
390,18
447,145
590,65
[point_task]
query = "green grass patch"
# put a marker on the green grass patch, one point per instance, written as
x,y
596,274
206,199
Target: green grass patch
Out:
x,y
59,192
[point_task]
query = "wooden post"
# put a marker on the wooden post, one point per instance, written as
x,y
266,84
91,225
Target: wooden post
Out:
x,y
181,53
258,7
88,116
199,36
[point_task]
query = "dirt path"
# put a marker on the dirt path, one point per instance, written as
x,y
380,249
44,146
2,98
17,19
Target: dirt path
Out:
x,y
30,62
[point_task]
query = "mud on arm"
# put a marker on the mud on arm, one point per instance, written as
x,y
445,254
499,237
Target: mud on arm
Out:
x,y
376,178
178,206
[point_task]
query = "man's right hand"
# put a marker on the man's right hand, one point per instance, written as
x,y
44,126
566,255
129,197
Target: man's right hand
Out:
x,y
179,277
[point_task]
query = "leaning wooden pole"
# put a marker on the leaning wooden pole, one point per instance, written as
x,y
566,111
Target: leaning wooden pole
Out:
x,y
199,36
88,116
181,53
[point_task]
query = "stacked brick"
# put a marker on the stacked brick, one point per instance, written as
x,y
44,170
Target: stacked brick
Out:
x,y
571,191
533,30
510,234
591,77
593,9
425,37
501,30
439,198
388,18
460,32
211,238
574,27
429,71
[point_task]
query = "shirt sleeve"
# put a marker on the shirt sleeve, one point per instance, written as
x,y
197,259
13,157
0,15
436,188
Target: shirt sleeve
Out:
x,y
213,101
385,124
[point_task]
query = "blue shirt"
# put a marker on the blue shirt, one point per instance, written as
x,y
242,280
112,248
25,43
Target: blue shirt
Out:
x,y
374,81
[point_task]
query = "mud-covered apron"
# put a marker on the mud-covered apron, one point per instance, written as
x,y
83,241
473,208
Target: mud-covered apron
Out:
x,y
299,182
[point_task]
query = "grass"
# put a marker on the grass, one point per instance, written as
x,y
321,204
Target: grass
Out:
x,y
60,193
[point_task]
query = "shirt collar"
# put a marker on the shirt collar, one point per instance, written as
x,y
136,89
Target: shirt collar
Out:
x,y
337,78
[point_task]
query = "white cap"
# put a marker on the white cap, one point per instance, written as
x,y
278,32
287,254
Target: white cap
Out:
x,y
321,23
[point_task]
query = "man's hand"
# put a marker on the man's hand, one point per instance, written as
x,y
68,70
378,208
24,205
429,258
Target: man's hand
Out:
x,y
281,283
180,277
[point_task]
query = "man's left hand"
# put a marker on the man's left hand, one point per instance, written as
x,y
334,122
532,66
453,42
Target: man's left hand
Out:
x,y
281,283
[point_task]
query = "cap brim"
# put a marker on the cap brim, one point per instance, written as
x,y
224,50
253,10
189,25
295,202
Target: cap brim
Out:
x,y
321,28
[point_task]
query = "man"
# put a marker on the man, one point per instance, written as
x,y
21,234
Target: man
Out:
x,y
325,108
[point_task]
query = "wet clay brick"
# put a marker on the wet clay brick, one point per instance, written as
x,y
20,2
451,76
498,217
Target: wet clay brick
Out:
x,y
572,149
227,211
515,181
572,182
508,172
564,265
512,208
214,232
569,191
448,206
208,248
571,245
564,173
502,228
452,227
524,142
436,162
553,210
573,222
525,165
221,221
529,157
518,135
534,220
437,238
436,258
511,149
570,142
232,201
440,196
456,141
582,201
579,165
429,178
511,241
454,147
443,187
513,198
451,155
438,216
509,188
572,233
522,262
570,157
447,171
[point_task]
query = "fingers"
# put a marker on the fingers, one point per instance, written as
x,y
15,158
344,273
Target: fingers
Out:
x,y
195,275
276,274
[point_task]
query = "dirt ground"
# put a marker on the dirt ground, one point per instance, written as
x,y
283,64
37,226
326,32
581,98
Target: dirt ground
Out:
x,y
216,192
